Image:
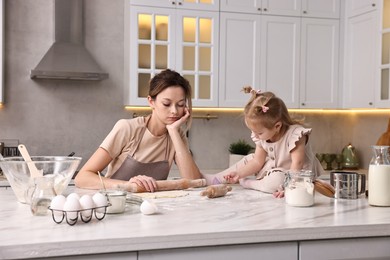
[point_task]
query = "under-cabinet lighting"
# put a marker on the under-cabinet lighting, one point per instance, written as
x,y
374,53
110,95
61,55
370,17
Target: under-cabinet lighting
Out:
x,y
295,110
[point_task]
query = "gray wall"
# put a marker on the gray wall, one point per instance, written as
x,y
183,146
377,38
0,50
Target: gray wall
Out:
x,y
58,117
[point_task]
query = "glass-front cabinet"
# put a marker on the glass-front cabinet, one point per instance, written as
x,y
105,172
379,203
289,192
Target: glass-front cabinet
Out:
x,y
382,97
177,37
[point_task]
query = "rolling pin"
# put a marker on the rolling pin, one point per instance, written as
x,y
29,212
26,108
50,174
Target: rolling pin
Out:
x,y
164,185
215,191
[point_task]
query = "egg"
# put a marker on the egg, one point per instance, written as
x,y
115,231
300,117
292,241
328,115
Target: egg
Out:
x,y
71,207
57,205
73,195
147,207
100,202
86,204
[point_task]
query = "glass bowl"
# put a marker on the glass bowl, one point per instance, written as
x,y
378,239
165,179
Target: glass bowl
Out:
x,y
17,173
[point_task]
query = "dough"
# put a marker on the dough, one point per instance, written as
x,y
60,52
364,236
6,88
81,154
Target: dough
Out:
x,y
162,194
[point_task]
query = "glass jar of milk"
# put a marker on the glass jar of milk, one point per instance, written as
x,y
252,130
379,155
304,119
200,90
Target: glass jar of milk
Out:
x,y
379,177
299,188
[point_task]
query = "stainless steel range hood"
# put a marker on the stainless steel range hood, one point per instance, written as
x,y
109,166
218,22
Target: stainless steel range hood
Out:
x,y
68,58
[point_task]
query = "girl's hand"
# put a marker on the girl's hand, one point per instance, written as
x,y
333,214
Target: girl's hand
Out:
x,y
148,183
232,177
278,194
177,124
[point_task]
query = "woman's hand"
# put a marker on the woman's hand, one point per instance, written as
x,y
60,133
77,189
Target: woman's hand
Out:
x,y
148,183
177,124
232,177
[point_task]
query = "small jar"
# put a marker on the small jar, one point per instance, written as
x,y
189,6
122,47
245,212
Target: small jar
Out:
x,y
42,195
299,188
117,199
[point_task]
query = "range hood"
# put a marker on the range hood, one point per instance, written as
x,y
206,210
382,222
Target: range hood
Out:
x,y
68,58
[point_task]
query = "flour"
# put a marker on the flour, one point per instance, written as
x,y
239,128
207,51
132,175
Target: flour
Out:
x,y
162,194
301,195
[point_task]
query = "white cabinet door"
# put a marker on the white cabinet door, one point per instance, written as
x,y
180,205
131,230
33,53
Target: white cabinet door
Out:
x,y
361,65
281,7
1,52
182,40
280,54
239,57
359,248
319,63
241,6
358,7
271,7
197,46
321,8
212,5
151,49
382,95
282,251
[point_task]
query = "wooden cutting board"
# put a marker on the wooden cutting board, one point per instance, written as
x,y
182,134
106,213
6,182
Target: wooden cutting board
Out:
x,y
384,139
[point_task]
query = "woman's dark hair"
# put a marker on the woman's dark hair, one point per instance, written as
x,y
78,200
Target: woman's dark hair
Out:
x,y
170,78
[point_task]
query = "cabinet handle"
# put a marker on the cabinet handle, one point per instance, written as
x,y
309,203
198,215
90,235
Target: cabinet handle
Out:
x,y
303,104
373,5
370,103
180,3
265,10
305,12
259,9
173,2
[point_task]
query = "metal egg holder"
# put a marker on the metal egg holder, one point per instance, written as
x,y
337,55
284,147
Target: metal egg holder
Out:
x,y
59,218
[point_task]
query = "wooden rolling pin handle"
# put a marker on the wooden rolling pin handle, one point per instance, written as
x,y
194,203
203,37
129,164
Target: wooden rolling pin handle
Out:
x,y
215,191
165,185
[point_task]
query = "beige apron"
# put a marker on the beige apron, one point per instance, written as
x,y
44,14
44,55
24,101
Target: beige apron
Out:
x,y
131,167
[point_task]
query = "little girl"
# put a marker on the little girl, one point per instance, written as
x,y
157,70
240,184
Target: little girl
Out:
x,y
281,144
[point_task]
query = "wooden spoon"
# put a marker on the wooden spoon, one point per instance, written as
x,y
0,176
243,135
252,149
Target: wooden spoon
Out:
x,y
34,172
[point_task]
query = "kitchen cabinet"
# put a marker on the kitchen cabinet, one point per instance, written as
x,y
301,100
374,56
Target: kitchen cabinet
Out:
x,y
321,9
319,71
359,248
358,7
270,7
361,60
305,8
382,95
177,38
296,58
285,251
1,52
211,5
269,48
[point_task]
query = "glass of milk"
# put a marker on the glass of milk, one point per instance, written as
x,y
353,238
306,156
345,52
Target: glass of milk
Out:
x,y
299,188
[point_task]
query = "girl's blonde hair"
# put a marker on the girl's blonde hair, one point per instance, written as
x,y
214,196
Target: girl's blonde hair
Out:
x,y
268,108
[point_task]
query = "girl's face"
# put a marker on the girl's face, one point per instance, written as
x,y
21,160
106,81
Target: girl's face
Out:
x,y
169,105
263,133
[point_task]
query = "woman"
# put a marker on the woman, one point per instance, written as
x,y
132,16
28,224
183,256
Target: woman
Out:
x,y
141,150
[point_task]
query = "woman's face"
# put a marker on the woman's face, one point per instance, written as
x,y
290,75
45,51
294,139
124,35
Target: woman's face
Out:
x,y
169,105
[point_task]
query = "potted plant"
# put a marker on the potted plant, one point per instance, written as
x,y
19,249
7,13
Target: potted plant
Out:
x,y
238,150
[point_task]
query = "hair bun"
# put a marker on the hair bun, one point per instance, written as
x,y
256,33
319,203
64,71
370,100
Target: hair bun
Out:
x,y
247,89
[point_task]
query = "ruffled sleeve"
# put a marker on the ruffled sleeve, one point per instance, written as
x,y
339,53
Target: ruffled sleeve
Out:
x,y
295,133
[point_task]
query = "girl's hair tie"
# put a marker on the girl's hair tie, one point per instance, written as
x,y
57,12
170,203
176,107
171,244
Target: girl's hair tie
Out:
x,y
256,92
264,108
249,89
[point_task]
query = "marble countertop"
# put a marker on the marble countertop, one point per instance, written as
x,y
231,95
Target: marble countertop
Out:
x,y
242,216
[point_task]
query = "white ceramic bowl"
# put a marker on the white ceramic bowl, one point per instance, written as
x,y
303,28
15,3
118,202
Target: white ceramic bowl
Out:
x,y
17,173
